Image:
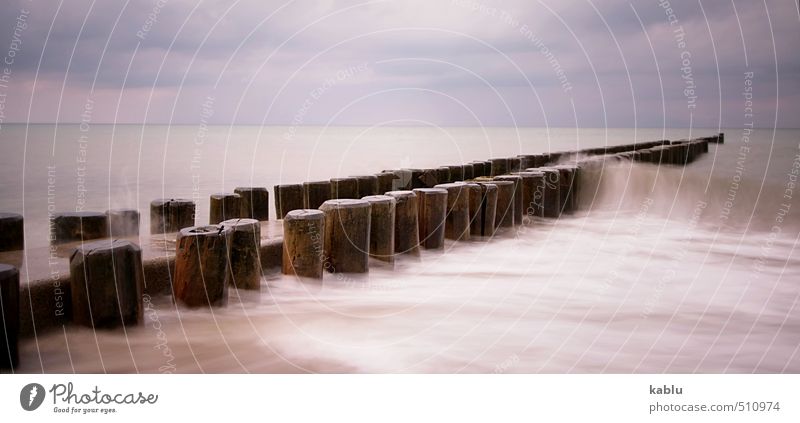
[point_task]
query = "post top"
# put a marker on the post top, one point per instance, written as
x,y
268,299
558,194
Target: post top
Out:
x,y
212,230
81,214
344,203
7,270
380,199
401,194
178,201
305,214
431,191
237,189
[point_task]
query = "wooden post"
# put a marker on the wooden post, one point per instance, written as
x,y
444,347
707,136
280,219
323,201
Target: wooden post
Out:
x,y
367,185
456,173
432,211
504,213
487,168
224,206
254,202
529,181
12,233
106,281
79,226
245,249
9,294
469,171
526,161
552,196
344,188
123,223
347,227
403,181
534,195
381,233
457,220
416,178
287,198
385,182
518,194
315,193
201,266
303,243
568,186
443,175
406,227
499,167
482,208
171,215
514,165
430,177
478,169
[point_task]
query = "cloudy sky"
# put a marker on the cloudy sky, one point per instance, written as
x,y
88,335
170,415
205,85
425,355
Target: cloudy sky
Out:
x,y
443,62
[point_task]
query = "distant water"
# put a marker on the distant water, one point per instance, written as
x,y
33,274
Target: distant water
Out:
x,y
666,269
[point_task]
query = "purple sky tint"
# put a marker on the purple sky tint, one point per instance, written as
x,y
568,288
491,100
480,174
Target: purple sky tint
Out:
x,y
441,62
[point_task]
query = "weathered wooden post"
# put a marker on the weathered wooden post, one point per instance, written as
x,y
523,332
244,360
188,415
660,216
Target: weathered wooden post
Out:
x,y
499,166
552,196
482,208
518,194
9,299
477,169
303,243
469,171
201,266
381,233
541,159
245,257
254,202
344,188
406,227
530,183
514,165
171,215
224,206
432,211
504,213
106,281
402,182
79,226
315,193
457,220
568,186
367,185
123,222
416,178
443,175
347,226
385,182
456,173
288,197
429,178
526,161
12,233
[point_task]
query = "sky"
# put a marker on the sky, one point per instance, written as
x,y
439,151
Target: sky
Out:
x,y
437,62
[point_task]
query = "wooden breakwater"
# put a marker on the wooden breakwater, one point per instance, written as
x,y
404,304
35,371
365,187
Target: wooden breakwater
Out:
x,y
99,265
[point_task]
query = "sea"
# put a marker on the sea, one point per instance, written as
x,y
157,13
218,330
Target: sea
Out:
x,y
663,269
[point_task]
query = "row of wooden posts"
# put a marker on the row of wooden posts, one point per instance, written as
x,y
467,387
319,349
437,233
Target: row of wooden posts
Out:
x,y
333,226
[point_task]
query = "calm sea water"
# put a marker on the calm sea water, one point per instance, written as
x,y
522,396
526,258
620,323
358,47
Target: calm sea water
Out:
x,y
665,269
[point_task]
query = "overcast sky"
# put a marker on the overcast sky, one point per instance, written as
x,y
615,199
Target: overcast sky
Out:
x,y
442,62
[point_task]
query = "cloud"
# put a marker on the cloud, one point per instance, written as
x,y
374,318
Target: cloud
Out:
x,y
545,61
